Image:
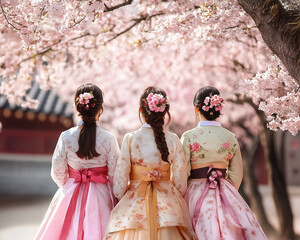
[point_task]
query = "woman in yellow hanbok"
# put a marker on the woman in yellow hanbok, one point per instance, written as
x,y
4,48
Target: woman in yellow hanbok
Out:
x,y
150,179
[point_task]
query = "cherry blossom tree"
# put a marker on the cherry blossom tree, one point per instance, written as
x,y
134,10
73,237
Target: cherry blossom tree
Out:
x,y
66,40
124,46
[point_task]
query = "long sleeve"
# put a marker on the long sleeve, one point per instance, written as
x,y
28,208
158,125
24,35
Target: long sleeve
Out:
x,y
112,158
123,167
187,152
235,168
178,167
59,169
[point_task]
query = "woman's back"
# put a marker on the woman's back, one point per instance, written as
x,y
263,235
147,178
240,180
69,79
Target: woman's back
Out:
x,y
139,148
210,144
83,164
143,150
67,146
150,179
216,207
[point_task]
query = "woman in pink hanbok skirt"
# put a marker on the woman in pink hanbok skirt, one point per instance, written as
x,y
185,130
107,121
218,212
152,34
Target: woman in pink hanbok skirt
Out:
x,y
217,209
82,166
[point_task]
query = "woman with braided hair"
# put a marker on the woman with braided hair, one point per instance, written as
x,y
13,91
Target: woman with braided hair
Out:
x,y
215,173
83,165
150,179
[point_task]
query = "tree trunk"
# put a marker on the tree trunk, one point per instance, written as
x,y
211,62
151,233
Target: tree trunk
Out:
x,y
278,185
276,177
280,29
243,193
255,196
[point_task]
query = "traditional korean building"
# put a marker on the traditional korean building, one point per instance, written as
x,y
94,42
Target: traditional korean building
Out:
x,y
27,140
34,131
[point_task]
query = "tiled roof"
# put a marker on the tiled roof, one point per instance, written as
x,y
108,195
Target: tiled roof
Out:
x,y
49,102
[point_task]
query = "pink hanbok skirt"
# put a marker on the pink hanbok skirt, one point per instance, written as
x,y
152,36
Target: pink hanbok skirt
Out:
x,y
98,205
218,219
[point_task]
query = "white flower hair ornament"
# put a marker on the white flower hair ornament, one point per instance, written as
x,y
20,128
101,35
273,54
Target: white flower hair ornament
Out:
x,y
212,101
84,99
157,102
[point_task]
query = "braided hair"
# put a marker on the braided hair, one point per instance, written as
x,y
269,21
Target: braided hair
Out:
x,y
88,110
156,120
199,98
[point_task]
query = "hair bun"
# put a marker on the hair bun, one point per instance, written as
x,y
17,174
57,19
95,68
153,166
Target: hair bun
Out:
x,y
208,102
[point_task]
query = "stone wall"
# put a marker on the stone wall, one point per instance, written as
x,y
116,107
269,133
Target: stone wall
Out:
x,y
25,177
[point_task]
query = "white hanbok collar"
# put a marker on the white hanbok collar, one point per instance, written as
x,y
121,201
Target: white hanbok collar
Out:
x,y
80,123
145,125
209,123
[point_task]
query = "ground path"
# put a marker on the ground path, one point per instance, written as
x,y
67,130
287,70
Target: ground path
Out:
x,y
20,216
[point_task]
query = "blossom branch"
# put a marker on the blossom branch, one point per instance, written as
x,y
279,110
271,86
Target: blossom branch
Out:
x,y
6,18
137,21
109,9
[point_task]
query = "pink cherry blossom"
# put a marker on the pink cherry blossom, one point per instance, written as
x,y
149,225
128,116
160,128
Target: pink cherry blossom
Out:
x,y
205,108
171,44
156,102
206,100
87,95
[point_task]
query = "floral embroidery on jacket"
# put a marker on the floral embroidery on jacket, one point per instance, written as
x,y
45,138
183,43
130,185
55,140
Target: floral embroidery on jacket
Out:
x,y
197,151
226,148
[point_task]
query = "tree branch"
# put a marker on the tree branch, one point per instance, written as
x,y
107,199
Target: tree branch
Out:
x,y
4,14
109,9
136,21
242,100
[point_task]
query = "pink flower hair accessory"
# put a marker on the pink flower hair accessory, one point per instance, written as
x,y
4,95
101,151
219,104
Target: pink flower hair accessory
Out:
x,y
213,101
84,99
157,102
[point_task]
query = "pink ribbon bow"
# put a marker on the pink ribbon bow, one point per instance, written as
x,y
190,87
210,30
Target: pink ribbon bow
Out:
x,y
214,177
81,176
213,182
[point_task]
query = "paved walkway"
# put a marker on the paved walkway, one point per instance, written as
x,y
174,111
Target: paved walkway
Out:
x,y
20,216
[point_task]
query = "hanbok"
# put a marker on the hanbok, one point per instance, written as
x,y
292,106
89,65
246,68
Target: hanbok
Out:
x,y
215,167
150,190
81,207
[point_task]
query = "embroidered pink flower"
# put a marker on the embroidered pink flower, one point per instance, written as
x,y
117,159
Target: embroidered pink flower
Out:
x,y
156,102
195,147
229,157
225,145
154,174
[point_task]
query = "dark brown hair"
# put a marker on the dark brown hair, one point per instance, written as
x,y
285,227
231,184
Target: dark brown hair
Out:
x,y
156,120
199,98
88,113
